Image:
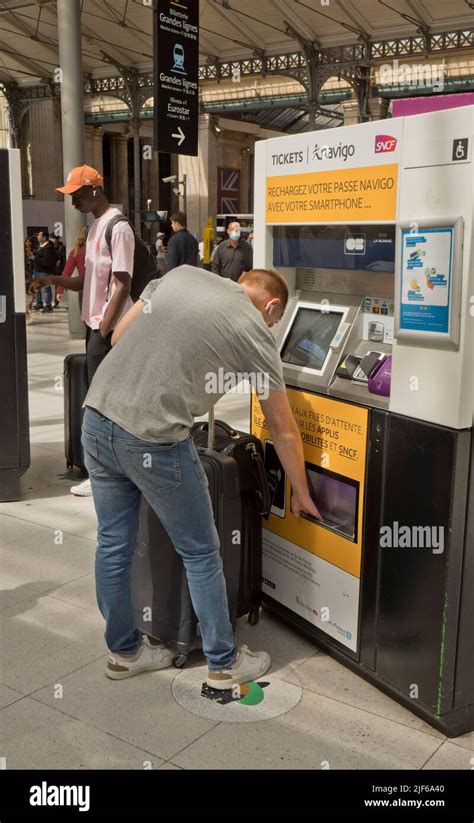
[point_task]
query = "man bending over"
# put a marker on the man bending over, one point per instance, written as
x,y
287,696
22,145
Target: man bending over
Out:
x,y
139,411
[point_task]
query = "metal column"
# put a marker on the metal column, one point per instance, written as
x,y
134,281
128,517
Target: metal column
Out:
x,y
72,119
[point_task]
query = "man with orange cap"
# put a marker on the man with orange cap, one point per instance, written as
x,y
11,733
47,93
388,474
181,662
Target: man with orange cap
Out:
x,y
108,273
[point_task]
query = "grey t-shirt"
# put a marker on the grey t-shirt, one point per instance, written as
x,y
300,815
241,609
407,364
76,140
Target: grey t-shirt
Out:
x,y
197,335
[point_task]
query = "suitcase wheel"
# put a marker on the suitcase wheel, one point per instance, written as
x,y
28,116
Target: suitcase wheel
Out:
x,y
254,615
180,662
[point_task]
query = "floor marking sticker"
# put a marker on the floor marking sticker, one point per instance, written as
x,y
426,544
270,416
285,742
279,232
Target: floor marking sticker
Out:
x,y
263,699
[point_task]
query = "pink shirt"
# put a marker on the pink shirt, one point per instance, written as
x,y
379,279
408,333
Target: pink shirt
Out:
x,y
99,265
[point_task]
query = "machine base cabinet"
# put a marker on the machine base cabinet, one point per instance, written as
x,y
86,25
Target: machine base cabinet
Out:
x,y
416,608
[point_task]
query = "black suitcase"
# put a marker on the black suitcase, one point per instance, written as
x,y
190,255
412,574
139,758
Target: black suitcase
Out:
x,y
160,594
76,385
256,501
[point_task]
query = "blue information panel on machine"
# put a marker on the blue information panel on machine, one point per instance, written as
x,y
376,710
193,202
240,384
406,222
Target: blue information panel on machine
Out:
x,y
428,275
426,269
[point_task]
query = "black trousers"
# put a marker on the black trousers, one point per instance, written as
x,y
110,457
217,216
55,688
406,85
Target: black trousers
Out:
x,y
97,347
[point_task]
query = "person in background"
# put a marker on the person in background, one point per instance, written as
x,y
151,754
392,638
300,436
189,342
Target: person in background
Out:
x,y
159,245
60,251
29,258
29,268
182,246
44,263
201,250
108,274
160,252
217,243
76,259
233,256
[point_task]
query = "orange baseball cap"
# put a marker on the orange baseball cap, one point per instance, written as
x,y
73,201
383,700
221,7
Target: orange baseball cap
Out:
x,y
81,176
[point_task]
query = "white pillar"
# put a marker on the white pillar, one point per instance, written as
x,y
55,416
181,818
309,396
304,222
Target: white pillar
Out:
x,y
201,178
97,150
72,118
120,170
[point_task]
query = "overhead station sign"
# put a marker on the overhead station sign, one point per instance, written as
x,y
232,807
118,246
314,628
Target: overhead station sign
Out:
x,y
176,76
324,178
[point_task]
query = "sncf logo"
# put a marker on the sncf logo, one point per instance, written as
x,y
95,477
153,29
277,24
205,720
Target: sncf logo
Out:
x,y
384,142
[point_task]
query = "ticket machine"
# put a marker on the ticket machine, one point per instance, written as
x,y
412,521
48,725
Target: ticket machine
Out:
x,y
14,427
372,226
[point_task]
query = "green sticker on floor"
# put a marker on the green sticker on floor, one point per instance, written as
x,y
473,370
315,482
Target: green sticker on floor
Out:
x,y
264,699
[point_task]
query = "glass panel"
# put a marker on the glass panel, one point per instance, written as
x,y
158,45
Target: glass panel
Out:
x,y
336,498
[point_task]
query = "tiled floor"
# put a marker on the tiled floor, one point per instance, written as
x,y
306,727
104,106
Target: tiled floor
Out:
x,y
59,711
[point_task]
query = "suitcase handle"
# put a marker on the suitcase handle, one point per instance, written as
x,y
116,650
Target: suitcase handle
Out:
x,y
214,424
210,429
263,489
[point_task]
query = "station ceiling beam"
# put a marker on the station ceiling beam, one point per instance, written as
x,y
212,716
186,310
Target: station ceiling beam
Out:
x,y
221,7
298,23
349,61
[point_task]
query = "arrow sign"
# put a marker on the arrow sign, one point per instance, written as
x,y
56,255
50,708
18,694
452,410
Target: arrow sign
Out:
x,y
180,137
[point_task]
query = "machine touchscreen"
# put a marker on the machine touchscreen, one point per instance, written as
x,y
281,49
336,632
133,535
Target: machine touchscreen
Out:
x,y
336,498
309,339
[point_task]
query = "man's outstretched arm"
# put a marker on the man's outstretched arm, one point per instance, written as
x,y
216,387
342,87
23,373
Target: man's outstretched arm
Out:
x,y
287,441
71,283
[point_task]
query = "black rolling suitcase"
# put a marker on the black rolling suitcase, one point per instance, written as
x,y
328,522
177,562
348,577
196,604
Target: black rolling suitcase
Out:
x,y
76,385
256,501
160,594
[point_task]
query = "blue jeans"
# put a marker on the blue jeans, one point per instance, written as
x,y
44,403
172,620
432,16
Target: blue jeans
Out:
x,y
170,476
44,294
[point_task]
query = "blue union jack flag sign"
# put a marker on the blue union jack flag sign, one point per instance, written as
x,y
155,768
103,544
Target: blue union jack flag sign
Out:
x,y
228,191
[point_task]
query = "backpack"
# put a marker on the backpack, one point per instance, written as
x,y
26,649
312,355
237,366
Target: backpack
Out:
x,y
144,264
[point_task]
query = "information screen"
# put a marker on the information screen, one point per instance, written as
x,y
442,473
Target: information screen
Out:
x,y
426,279
310,337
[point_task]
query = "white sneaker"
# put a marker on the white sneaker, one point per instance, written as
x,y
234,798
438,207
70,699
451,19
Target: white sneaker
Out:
x,y
246,666
82,489
148,658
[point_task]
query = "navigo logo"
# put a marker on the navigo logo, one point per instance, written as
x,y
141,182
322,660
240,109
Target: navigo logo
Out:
x,y
384,142
339,152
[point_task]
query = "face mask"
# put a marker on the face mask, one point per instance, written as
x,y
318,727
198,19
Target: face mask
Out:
x,y
234,235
